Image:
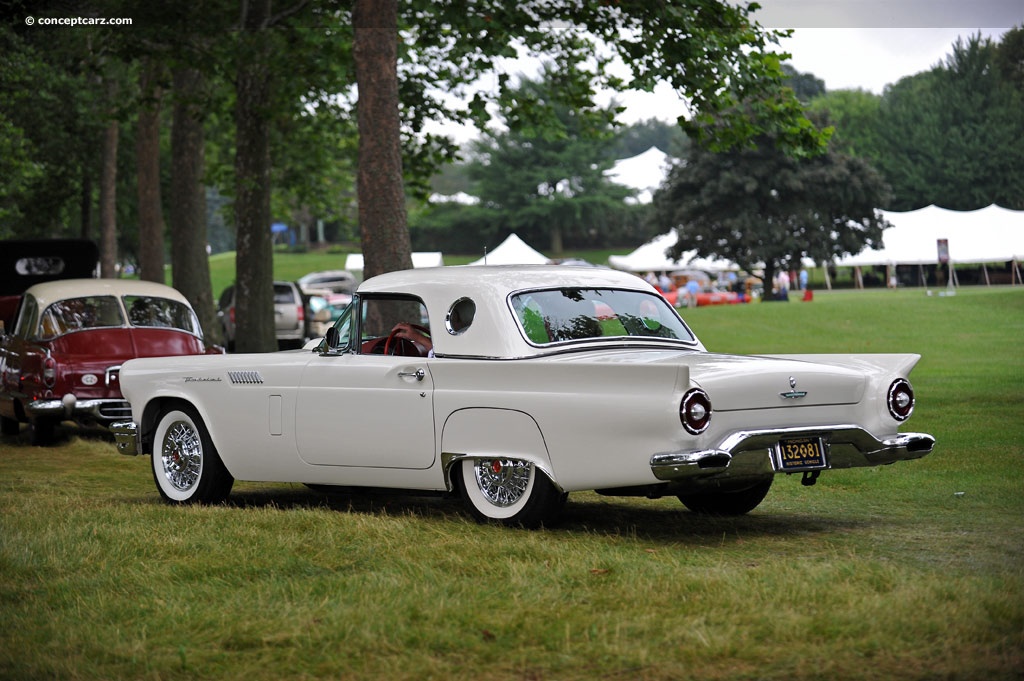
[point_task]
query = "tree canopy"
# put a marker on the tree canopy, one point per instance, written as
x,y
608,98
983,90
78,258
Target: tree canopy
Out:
x,y
271,116
949,136
763,209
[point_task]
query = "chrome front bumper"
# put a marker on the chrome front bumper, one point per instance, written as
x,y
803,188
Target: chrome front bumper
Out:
x,y
104,410
126,438
753,452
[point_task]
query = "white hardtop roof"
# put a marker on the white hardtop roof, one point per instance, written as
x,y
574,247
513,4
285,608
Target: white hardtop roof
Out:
x,y
52,291
501,279
495,331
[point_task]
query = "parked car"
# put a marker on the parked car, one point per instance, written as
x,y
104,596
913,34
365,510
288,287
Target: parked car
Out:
x,y
324,310
514,386
61,360
290,326
337,281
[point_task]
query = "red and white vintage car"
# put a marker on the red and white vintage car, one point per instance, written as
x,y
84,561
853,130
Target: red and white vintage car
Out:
x,y
60,360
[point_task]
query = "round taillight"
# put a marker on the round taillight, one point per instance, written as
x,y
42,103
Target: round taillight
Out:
x,y
695,411
49,371
900,399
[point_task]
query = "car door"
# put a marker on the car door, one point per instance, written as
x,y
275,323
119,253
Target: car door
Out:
x,y
367,409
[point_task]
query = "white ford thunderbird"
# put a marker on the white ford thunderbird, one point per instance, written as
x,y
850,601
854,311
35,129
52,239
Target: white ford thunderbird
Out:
x,y
512,387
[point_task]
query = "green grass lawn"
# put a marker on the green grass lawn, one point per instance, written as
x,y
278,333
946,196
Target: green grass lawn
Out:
x,y
911,571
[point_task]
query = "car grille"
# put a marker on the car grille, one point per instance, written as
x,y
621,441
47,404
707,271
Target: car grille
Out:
x,y
115,410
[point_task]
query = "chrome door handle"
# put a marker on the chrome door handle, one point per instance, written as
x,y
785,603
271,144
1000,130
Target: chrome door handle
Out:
x,y
419,374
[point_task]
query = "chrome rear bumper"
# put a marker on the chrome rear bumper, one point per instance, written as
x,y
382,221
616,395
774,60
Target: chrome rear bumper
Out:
x,y
750,452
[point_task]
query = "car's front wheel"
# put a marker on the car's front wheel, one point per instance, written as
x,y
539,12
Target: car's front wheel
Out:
x,y
510,492
186,466
727,502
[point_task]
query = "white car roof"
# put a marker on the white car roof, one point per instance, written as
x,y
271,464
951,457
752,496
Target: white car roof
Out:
x,y
501,280
52,291
495,331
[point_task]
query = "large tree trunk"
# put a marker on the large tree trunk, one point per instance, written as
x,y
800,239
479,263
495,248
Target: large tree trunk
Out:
x,y
254,300
190,267
108,196
147,154
382,217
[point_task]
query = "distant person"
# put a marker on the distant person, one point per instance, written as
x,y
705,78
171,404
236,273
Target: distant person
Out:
x,y
665,283
692,289
803,279
783,285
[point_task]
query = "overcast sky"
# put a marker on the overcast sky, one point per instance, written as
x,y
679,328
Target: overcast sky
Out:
x,y
849,44
864,44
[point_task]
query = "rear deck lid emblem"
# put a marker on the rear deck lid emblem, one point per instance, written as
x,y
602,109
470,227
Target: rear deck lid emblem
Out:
x,y
793,393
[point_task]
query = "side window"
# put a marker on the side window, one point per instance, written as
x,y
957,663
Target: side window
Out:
x,y
26,325
380,315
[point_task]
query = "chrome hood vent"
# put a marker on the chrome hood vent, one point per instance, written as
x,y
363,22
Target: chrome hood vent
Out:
x,y
245,377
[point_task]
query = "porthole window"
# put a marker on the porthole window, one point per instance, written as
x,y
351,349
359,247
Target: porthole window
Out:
x,y
460,316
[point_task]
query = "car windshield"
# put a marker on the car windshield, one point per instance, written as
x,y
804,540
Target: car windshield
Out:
x,y
567,314
161,313
76,314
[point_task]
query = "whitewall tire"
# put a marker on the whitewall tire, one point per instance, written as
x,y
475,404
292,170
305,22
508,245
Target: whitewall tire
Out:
x,y
186,466
509,491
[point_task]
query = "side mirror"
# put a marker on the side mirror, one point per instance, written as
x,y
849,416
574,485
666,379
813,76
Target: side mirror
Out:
x,y
332,338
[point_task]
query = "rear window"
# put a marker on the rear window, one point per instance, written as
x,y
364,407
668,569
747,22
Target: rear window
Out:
x,y
572,314
284,295
76,314
147,311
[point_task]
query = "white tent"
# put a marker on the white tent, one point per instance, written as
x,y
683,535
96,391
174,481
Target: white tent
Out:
x,y
991,234
643,173
651,258
512,251
354,261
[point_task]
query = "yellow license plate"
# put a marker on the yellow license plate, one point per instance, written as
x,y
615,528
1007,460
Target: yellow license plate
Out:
x,y
800,454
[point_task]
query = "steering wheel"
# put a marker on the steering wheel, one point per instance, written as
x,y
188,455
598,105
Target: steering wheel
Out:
x,y
403,346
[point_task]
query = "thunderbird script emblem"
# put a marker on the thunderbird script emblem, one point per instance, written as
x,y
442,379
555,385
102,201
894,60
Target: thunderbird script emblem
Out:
x,y
793,393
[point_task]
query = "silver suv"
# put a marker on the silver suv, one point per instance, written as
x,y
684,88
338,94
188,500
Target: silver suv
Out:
x,y
289,315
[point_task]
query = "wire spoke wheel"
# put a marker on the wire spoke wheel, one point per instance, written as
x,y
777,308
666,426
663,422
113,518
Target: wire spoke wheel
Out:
x,y
509,491
186,466
182,455
503,482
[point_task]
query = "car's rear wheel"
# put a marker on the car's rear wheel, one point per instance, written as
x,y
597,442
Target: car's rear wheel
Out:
x,y
510,492
728,502
186,466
